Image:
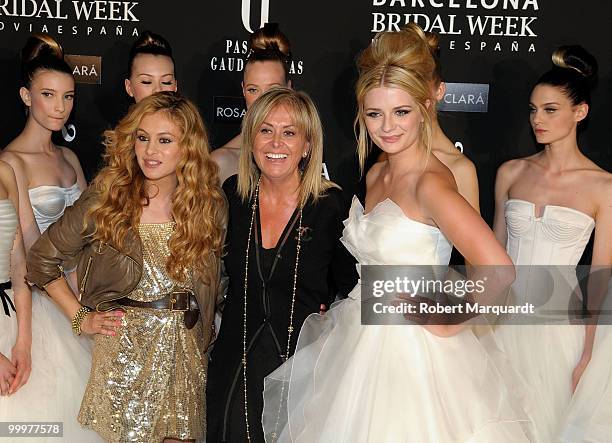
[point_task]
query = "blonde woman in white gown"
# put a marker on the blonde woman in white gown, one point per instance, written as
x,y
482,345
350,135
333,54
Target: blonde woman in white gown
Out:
x,y
436,383
547,206
49,178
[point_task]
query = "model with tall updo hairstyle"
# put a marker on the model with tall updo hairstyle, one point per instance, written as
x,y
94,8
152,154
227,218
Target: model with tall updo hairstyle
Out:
x,y
267,66
547,206
414,52
41,52
49,179
358,375
150,67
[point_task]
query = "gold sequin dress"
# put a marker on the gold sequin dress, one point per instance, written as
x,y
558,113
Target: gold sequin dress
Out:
x,y
148,381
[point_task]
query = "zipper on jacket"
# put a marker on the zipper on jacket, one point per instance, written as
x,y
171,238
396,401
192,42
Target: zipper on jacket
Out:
x,y
84,281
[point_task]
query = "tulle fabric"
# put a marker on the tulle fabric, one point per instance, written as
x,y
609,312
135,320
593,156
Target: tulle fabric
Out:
x,y
352,383
589,416
61,363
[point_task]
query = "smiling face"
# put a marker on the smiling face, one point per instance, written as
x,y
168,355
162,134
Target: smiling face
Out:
x,y
392,119
552,115
259,77
279,145
49,98
150,74
157,148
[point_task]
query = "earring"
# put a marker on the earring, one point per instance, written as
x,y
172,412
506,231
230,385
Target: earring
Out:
x,y
305,154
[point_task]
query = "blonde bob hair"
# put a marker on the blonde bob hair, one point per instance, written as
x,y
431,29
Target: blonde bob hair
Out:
x,y
305,116
403,60
198,206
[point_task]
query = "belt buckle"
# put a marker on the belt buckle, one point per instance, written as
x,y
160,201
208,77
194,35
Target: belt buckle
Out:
x,y
173,301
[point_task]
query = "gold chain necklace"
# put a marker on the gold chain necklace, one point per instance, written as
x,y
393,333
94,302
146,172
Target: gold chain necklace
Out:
x,y
244,318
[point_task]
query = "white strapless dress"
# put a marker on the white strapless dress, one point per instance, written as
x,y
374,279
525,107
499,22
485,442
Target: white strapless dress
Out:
x,y
395,383
546,355
61,361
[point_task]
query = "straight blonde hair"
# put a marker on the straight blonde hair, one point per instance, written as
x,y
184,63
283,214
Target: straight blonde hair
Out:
x,y
305,116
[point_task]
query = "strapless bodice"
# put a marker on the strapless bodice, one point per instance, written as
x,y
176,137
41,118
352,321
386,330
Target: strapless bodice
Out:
x,y
8,226
558,237
386,236
49,202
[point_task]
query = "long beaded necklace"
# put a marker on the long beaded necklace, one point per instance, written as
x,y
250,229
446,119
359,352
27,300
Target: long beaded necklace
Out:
x,y
244,318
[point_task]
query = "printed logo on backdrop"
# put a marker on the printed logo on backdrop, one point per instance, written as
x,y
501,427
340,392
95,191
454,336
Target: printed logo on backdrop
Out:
x,y
228,109
465,97
501,26
246,14
86,68
234,56
57,17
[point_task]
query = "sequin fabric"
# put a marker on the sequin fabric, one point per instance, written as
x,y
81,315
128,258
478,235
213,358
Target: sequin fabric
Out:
x,y
148,381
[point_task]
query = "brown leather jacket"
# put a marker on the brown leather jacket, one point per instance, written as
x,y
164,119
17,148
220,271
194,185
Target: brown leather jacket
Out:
x,y
104,273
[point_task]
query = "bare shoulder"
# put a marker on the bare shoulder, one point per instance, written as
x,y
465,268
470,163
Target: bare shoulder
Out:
x,y
225,153
602,186
69,154
434,182
374,172
8,181
14,160
462,166
226,158
511,169
7,175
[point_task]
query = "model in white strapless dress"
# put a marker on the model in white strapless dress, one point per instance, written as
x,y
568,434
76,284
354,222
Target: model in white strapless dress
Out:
x,y
60,360
395,383
545,355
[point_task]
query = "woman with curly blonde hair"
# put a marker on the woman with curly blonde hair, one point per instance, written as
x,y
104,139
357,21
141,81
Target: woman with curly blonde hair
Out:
x,y
148,234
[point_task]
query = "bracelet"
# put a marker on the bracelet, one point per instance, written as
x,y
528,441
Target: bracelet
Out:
x,y
78,319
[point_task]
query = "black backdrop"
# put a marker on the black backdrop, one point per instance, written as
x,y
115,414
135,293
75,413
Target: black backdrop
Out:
x,y
504,44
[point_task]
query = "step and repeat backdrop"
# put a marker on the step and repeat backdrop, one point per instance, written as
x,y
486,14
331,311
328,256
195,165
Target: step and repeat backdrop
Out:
x,y
492,51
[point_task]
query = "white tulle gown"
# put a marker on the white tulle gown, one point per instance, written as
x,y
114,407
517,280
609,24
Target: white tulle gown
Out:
x,y
61,361
545,355
386,384
589,415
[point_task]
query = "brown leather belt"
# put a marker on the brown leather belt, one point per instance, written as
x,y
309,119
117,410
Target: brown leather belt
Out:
x,y
183,301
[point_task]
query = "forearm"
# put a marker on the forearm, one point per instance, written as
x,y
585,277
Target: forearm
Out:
x,y
23,305
61,294
589,340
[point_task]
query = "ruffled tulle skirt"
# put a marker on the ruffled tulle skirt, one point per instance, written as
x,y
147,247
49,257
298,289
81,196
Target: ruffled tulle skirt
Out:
x,y
61,363
352,383
545,357
589,415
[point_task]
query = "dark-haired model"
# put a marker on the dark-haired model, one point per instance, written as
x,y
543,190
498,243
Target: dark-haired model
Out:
x,y
266,67
547,206
150,67
49,178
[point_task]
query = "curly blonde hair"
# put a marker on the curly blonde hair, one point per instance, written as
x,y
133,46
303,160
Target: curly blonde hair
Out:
x,y
198,205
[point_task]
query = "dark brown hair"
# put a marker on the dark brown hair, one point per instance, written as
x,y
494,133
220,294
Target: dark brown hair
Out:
x,y
149,43
574,72
41,52
270,44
